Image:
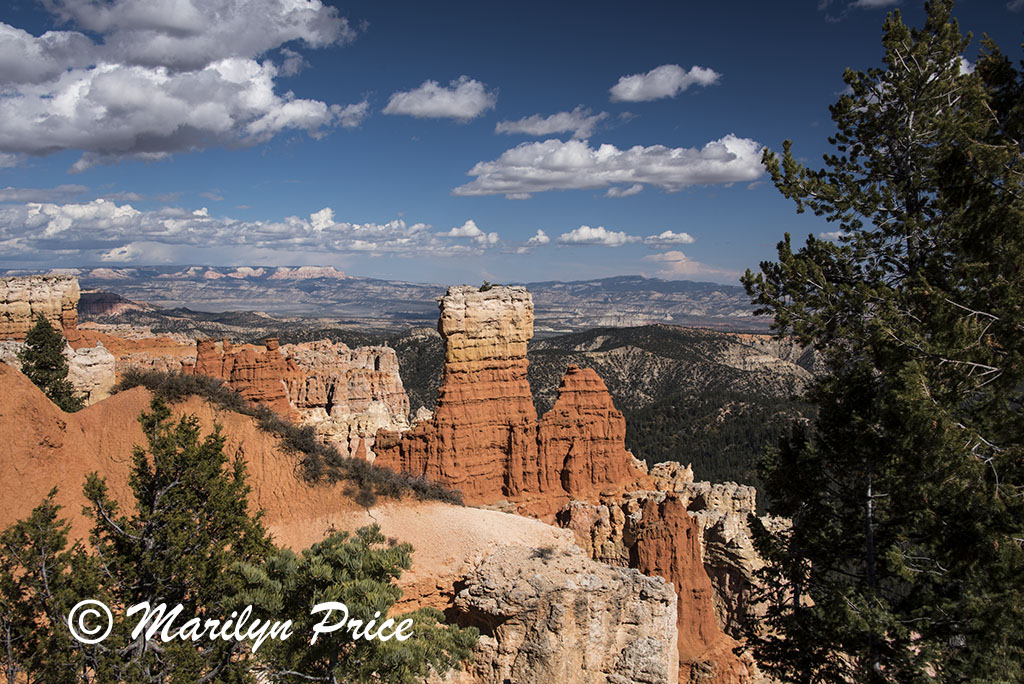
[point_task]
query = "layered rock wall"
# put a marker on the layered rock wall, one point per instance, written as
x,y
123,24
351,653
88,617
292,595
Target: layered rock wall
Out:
x,y
345,394
24,298
482,437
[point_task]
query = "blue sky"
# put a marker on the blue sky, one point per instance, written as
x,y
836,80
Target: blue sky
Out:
x,y
444,143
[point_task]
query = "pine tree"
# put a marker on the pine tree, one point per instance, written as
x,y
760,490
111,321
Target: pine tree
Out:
x,y
42,360
359,572
190,526
41,578
903,562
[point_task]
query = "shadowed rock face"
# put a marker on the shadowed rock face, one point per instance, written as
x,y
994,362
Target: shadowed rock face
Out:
x,y
23,298
484,438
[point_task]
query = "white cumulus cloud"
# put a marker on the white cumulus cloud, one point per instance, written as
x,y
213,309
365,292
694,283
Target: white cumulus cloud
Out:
x,y
540,238
670,238
143,79
575,165
103,229
585,235
668,80
468,229
624,192
463,99
674,265
580,122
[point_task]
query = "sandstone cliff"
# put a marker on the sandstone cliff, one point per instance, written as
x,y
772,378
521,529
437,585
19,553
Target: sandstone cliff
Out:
x,y
653,532
346,394
482,437
582,438
24,298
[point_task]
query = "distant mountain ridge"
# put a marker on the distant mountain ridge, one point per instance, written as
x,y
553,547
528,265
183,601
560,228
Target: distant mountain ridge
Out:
x,y
351,301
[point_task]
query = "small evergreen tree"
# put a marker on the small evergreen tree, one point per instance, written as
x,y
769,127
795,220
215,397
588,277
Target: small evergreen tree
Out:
x,y
40,580
190,525
903,563
43,361
358,572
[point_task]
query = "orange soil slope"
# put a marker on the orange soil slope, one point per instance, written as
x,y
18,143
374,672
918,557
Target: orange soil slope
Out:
x,y
42,447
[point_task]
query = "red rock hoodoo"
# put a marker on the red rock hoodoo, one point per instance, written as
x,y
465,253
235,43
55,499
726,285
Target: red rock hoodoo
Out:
x,y
484,438
582,438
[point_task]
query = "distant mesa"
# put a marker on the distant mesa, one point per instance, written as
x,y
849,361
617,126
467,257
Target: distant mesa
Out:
x,y
324,291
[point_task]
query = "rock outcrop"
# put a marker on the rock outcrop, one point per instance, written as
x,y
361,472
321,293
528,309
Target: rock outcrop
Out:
x,y
653,532
721,512
582,438
484,437
90,369
258,376
24,298
346,394
548,615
